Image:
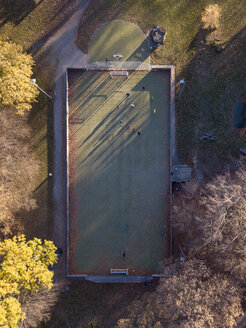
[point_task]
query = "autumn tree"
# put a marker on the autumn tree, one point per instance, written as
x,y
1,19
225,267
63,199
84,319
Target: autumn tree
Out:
x,y
211,16
16,89
191,297
210,221
25,263
10,313
24,268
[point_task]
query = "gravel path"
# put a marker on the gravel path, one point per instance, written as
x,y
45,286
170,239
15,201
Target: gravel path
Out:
x,y
62,52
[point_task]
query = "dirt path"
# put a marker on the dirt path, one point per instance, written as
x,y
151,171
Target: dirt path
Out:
x,y
62,53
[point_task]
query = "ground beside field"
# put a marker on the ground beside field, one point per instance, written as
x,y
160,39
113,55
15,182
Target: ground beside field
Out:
x,y
31,22
120,179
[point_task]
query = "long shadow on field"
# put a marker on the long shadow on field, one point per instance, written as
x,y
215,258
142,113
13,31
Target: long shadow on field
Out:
x,y
107,161
117,108
112,121
99,125
112,132
91,100
213,81
82,111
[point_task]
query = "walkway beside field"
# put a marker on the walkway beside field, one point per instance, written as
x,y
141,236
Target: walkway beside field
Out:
x,y
62,52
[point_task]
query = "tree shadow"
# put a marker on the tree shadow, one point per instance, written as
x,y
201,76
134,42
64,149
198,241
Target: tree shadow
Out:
x,y
35,48
37,222
89,22
141,53
213,81
200,38
82,304
15,11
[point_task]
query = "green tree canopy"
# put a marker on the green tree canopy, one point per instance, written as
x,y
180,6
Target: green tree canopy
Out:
x,y
16,89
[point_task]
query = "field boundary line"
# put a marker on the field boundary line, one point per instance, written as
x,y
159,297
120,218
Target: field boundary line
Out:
x,y
172,146
172,150
67,166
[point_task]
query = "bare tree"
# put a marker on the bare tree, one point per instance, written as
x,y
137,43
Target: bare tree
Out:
x,y
192,297
211,220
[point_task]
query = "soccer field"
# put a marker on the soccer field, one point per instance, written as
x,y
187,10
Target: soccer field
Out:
x,y
119,179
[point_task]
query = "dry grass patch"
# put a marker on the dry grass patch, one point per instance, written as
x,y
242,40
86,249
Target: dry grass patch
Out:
x,y
37,307
18,164
211,16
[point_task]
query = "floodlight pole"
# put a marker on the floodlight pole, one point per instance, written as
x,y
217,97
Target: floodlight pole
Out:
x,y
33,81
182,82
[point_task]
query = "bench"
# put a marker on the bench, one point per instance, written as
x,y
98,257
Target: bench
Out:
x,y
118,73
124,271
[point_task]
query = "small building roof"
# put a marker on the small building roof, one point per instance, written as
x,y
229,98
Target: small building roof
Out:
x,y
181,173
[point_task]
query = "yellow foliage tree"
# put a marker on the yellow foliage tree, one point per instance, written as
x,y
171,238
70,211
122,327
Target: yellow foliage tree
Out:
x,y
25,263
10,312
24,267
16,89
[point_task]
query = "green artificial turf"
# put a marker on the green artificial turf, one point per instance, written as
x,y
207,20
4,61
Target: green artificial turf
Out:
x,y
121,179
119,37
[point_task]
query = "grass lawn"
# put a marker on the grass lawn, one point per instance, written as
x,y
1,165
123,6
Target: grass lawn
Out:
x,y
119,200
41,120
28,22
38,222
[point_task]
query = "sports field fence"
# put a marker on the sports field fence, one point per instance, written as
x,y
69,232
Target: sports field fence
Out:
x,y
118,65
